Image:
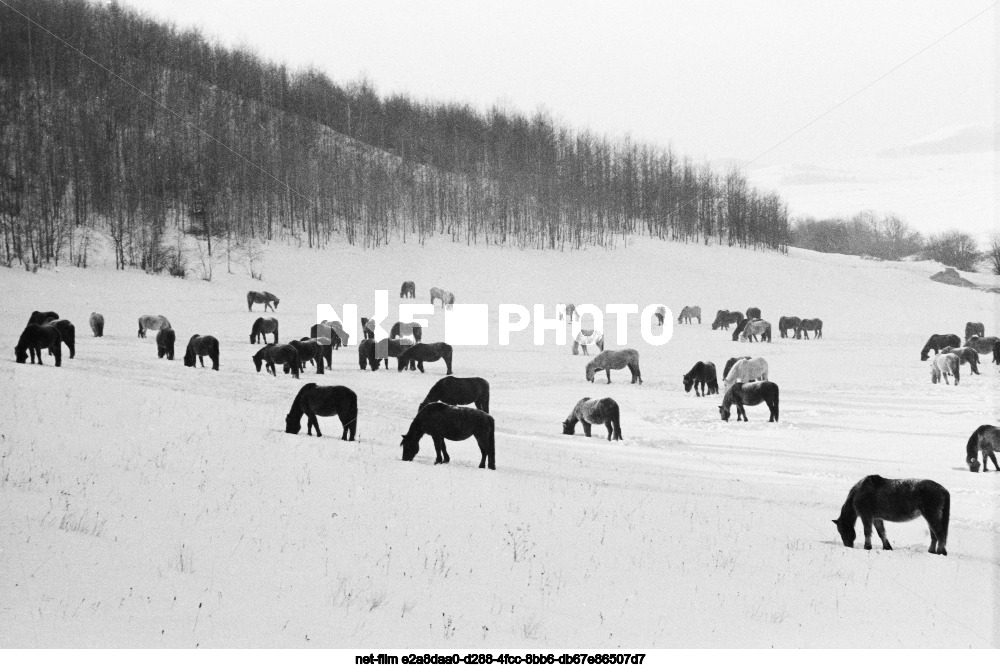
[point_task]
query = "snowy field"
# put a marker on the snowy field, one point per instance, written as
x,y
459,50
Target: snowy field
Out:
x,y
146,504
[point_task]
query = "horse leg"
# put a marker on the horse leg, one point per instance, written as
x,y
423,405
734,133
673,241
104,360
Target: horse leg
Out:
x,y
444,451
315,422
611,429
420,365
866,521
586,428
608,371
880,528
991,456
741,412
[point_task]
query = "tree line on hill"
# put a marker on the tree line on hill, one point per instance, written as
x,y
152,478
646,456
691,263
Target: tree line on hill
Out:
x,y
112,121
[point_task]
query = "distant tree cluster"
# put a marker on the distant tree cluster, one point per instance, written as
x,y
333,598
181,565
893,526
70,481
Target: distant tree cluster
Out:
x,y
156,132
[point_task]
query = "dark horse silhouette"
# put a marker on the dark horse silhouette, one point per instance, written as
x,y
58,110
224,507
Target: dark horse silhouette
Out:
x,y
731,362
36,337
724,319
974,329
702,374
456,391
67,331
985,440
366,355
277,353
366,331
310,350
876,499
455,423
740,326
40,317
97,323
373,353
201,346
750,394
265,298
753,312
788,322
263,326
589,411
165,339
407,329
426,352
334,331
937,342
313,400
408,289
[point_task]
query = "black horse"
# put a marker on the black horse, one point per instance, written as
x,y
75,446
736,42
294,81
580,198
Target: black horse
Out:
x,y
407,329
310,350
589,411
313,400
460,392
408,289
974,329
36,337
702,374
876,499
723,319
731,362
740,326
165,339
455,423
40,317
937,342
334,331
426,352
753,312
97,323
985,440
366,355
201,346
67,331
788,322
263,326
277,353
366,331
750,394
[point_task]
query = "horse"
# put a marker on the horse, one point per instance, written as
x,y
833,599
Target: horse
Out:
x,y
265,298
408,290
755,328
447,298
407,329
310,350
876,499
731,362
366,355
262,326
567,312
152,322
807,325
982,344
703,374
788,322
661,314
334,332
745,370
945,364
39,317
615,359
750,394
974,329
687,313
387,348
33,339
165,339
455,423
985,440
965,354
367,332
740,326
753,312
201,346
97,324
327,401
723,319
277,353
595,411
460,391
68,333
588,337
426,352
937,342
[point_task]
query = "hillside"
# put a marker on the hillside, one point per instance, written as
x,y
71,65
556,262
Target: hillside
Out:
x,y
152,505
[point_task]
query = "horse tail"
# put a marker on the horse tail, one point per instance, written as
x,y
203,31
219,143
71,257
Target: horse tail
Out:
x,y
485,398
616,420
493,443
776,392
945,516
215,353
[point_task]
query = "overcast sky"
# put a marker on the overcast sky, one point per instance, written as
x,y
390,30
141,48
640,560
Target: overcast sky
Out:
x,y
722,80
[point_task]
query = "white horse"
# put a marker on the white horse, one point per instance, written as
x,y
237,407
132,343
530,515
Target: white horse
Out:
x,y
588,337
754,328
945,364
746,371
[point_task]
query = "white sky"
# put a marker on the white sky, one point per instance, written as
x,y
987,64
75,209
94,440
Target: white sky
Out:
x,y
721,80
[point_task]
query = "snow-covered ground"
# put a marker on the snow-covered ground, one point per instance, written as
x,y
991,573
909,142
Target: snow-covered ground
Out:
x,y
147,504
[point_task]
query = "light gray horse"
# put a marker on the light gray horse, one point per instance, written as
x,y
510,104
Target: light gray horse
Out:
x,y
447,298
982,344
689,312
755,328
265,298
615,359
152,322
945,364
97,324
965,354
745,371
595,411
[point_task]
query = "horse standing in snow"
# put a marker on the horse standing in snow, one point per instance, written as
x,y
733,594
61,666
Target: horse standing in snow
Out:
x,y
615,359
985,440
589,411
702,374
455,423
750,394
265,298
313,400
460,392
202,346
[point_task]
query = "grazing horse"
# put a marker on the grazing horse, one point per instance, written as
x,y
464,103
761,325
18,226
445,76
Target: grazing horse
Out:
x,y
807,325
983,345
327,401
755,328
788,322
334,331
455,423
366,355
753,312
165,339
966,354
740,326
262,326
68,333
985,440
33,339
703,374
97,324
407,329
745,370
937,342
723,319
265,298
876,499
387,348
202,346
40,317
687,313
945,364
974,329
152,322
588,337
595,411
615,359
277,353
661,314
408,290
425,352
460,392
731,362
750,394
310,350
447,298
